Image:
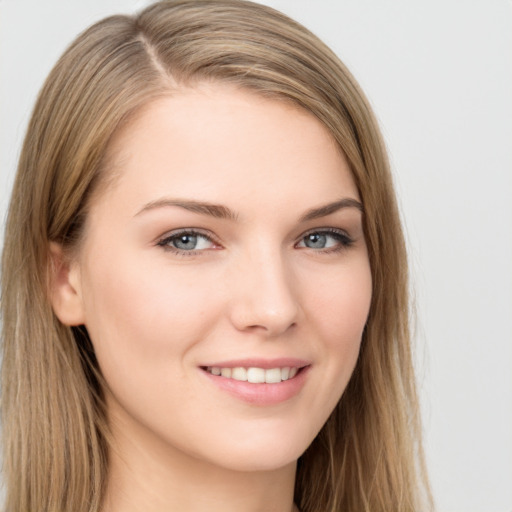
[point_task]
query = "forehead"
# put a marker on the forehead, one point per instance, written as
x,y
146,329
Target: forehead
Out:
x,y
218,143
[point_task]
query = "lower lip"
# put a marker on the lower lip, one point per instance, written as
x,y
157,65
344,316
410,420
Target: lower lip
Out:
x,y
261,394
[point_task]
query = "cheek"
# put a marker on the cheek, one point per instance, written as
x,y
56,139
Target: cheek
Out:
x,y
341,303
141,312
145,322
341,308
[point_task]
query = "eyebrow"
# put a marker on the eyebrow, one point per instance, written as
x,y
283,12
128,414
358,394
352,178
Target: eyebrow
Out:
x,y
328,209
213,210
223,212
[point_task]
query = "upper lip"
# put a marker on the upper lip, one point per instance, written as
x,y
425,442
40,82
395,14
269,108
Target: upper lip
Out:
x,y
267,364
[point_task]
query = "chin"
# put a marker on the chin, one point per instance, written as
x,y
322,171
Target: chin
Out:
x,y
258,463
261,455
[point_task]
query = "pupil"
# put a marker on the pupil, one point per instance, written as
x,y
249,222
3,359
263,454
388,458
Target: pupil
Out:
x,y
186,242
316,241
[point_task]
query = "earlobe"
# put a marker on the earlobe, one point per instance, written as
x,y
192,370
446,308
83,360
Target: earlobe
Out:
x,y
65,292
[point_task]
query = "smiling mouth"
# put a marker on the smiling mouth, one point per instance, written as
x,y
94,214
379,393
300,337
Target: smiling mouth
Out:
x,y
255,375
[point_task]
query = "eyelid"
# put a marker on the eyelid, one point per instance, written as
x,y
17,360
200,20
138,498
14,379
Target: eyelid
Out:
x,y
345,240
163,240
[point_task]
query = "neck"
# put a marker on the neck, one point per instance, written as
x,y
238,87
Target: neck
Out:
x,y
145,475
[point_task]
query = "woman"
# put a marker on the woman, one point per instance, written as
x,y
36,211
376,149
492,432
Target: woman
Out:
x,y
204,278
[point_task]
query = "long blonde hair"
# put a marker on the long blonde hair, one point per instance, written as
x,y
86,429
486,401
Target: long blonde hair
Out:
x,y
368,456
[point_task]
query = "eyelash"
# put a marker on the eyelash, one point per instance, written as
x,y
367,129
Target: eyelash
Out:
x,y
167,240
344,241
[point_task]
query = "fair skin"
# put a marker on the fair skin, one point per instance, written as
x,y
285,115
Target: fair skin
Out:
x,y
232,238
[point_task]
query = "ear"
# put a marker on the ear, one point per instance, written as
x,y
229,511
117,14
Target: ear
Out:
x,y
65,290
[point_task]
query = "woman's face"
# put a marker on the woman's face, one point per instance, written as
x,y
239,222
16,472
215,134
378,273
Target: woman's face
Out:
x,y
230,243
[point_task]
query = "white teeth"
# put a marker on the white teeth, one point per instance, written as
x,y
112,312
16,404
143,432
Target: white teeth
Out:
x,y
239,374
255,375
272,376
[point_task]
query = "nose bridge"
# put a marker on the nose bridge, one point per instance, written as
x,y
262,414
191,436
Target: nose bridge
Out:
x,y
263,296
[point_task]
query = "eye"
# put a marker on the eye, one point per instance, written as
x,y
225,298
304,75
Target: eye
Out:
x,y
327,239
187,241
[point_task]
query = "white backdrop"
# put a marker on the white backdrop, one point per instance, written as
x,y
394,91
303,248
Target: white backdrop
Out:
x,y
439,75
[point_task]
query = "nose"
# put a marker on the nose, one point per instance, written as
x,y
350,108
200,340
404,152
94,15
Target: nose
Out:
x,y
263,295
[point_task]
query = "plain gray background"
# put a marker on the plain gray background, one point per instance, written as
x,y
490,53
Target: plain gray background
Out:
x,y
439,75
